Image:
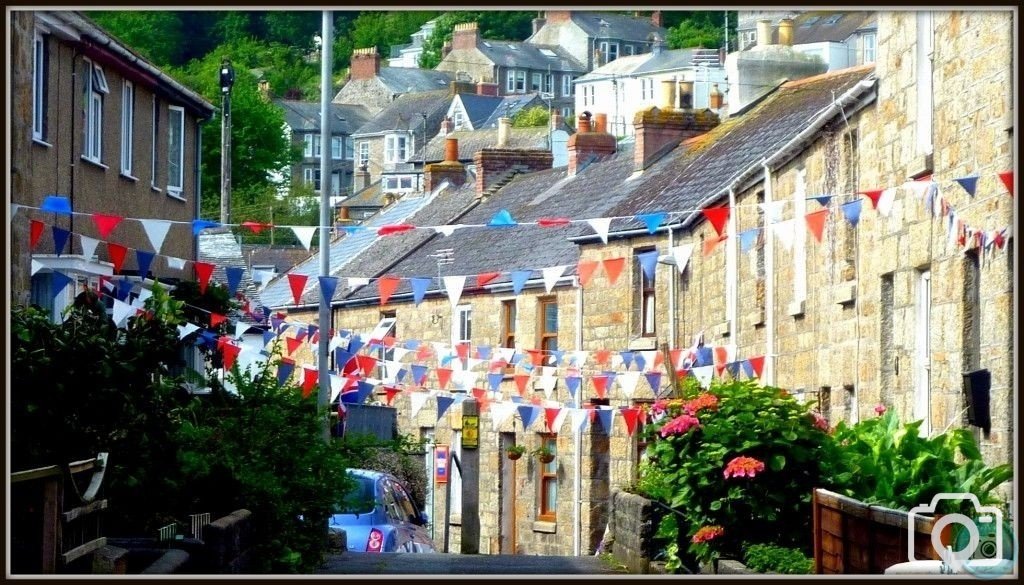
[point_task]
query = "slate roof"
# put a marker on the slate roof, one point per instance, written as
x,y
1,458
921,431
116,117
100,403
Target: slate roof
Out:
x,y
479,107
278,292
472,141
529,56
816,26
372,196
404,113
508,107
619,26
305,116
281,257
707,165
528,197
402,80
220,247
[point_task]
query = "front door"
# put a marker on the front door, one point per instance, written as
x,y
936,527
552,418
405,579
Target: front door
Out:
x,y
507,494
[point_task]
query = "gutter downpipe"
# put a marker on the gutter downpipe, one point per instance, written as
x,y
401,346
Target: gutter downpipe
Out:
x,y
732,266
769,289
674,271
577,494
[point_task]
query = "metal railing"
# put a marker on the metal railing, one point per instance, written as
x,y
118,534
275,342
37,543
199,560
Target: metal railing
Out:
x,y
198,522
168,532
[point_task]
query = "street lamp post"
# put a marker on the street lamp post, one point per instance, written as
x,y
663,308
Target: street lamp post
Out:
x,y
227,79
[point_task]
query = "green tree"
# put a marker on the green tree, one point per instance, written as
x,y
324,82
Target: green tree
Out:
x,y
382,29
698,29
157,35
291,27
531,117
497,25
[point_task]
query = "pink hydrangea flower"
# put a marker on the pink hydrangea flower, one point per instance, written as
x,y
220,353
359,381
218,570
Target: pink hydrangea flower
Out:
x,y
706,533
680,425
819,421
880,409
708,401
743,467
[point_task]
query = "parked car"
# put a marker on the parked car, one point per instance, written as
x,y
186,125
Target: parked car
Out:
x,y
380,516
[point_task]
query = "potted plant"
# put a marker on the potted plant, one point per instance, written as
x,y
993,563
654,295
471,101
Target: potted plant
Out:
x,y
544,454
515,451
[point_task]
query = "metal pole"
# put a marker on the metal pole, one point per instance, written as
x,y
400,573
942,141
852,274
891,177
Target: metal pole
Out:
x,y
227,78
324,397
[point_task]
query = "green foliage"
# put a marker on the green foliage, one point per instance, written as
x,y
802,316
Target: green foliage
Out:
x,y
516,449
766,558
690,463
300,206
531,117
402,458
155,34
496,25
884,462
382,29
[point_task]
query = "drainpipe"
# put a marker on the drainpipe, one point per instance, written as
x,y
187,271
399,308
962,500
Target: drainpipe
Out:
x,y
769,289
577,492
674,271
732,262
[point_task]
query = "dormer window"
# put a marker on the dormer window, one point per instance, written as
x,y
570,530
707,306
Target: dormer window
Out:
x,y
609,51
395,148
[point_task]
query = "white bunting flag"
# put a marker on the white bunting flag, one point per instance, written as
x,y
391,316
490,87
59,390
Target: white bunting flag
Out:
x,y
918,188
305,234
240,328
443,350
122,311
551,275
579,357
391,369
628,381
504,354
772,211
783,230
649,356
36,267
703,375
337,383
473,363
186,330
249,357
681,255
418,399
548,384
601,226
334,344
264,276
559,419
501,412
356,282
175,263
144,294
156,231
88,246
447,230
885,201
579,419
454,285
400,353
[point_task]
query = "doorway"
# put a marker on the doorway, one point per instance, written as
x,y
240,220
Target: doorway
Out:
x,y
507,496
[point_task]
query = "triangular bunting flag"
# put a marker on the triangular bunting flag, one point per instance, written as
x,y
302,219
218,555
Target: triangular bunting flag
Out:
x,y
519,278
528,414
573,384
851,211
757,363
255,226
630,416
56,204
652,220
297,282
144,260
390,230
122,311
328,284
417,399
601,226
105,224
366,363
649,262
484,278
783,231
1007,178
551,275
969,183
874,195
88,246
419,373
602,356
606,416
613,268
823,199
552,221
579,419
387,285
186,330
36,231
293,343
230,352
703,374
203,270
628,382
654,379
502,219
419,289
521,380
494,380
198,225
284,371
60,239
444,375
58,283
772,211
443,403
816,222
453,285
748,238
501,412
681,255
884,205
718,216
117,253
600,385
711,243
550,415
156,231
585,269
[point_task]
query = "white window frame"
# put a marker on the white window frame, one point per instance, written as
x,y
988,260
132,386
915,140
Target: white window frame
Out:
x,y
311,176
95,88
646,89
396,148
462,324
566,85
337,147
870,42
549,83
536,82
335,184
628,50
175,184
458,117
127,127
311,145
800,237
607,48
39,70
922,344
515,81
364,153
924,53
349,148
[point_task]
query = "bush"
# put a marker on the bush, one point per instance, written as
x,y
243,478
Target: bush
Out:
x,y
766,558
739,462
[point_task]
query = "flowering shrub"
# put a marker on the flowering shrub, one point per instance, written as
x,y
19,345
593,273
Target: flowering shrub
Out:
x,y
738,463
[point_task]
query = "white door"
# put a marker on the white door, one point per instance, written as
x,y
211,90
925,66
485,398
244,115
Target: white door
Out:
x,y
922,343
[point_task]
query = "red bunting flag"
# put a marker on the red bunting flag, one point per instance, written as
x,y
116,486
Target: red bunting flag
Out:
x,y
816,222
536,356
216,319
874,195
482,279
585,269
423,353
309,379
521,380
390,392
600,385
720,370
366,364
35,232
462,350
117,253
630,416
613,268
388,230
711,243
478,393
757,363
293,344
298,283
552,221
387,286
721,354
550,414
676,355
203,270
388,341
230,352
444,375
602,356
256,227
717,216
105,223
1007,178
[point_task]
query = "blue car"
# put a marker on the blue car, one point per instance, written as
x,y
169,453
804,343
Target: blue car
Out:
x,y
380,516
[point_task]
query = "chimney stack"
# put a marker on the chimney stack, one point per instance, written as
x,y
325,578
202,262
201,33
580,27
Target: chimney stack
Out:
x,y
584,143
656,19
715,98
659,131
360,179
493,165
457,87
447,126
450,169
486,88
504,129
365,64
668,95
557,121
786,32
538,23
685,95
764,32
465,36
557,16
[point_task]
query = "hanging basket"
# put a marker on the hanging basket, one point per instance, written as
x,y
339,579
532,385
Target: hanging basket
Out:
x,y
546,457
513,455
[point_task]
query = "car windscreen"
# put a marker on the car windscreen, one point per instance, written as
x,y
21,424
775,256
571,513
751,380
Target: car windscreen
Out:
x,y
361,499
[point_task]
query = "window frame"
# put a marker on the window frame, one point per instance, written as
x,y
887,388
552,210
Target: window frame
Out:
x,y
515,81
40,72
509,313
337,147
647,297
549,83
396,148
567,85
462,324
127,127
536,81
543,335
869,48
176,189
311,145
364,153
95,87
547,473
606,51
311,176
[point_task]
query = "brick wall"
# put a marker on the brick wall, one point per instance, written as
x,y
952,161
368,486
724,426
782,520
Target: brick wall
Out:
x,y
493,164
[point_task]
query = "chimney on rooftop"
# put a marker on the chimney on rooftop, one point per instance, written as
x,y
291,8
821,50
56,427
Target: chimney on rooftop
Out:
x,y
450,169
668,95
447,126
556,16
659,131
494,165
365,64
786,32
446,48
764,32
585,143
656,19
504,129
538,23
466,35
557,121
360,179
486,88
685,95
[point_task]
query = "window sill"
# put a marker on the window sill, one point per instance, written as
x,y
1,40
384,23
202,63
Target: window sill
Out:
x,y
544,527
455,520
795,309
95,162
175,195
128,177
156,189
41,142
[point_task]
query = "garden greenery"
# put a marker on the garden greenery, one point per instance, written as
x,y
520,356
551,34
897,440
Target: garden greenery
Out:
x,y
737,465
767,558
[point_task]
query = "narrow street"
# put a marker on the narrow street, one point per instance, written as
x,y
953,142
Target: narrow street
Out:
x,y
456,564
